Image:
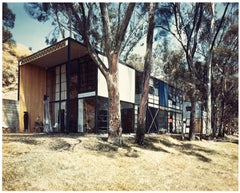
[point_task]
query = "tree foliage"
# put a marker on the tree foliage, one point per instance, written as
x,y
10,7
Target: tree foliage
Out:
x,y
187,19
64,23
191,23
101,26
225,74
136,61
97,25
8,19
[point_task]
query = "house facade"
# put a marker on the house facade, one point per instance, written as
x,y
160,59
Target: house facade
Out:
x,y
63,82
165,106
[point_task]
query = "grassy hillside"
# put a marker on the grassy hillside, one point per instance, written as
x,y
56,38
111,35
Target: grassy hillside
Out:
x,y
74,162
11,53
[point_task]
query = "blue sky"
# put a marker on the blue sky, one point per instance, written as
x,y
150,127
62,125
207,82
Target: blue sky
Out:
x,y
31,33
28,31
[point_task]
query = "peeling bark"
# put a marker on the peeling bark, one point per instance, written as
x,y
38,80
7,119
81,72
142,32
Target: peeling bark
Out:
x,y
113,43
115,129
141,125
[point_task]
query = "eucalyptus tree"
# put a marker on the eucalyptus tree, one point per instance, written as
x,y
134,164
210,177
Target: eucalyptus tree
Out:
x,y
212,30
95,24
191,27
225,71
184,26
141,122
8,20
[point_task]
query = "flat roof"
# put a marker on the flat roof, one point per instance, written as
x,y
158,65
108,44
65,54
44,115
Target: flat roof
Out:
x,y
56,54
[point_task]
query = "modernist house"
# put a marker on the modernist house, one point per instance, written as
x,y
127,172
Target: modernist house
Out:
x,y
76,93
165,107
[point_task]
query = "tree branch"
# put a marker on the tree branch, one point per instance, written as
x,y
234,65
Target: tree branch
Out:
x,y
219,27
107,35
198,24
123,27
92,52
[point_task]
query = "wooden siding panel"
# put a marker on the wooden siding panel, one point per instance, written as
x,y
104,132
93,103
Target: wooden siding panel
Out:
x,y
198,125
32,91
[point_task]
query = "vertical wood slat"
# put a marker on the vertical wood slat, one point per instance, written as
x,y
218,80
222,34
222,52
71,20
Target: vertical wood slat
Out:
x,y
32,91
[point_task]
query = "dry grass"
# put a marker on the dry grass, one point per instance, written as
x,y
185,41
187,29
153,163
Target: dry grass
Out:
x,y
74,162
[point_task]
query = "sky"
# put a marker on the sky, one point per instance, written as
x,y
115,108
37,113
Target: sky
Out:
x,y
31,33
28,31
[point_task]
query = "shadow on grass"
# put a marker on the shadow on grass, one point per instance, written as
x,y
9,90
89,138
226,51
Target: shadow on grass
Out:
x,y
22,140
190,149
56,144
198,155
128,147
59,145
101,145
150,144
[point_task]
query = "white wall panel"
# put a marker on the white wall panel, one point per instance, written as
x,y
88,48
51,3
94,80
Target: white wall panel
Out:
x,y
126,83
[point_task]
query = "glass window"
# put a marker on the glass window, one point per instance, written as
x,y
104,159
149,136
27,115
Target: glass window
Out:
x,y
56,83
179,124
86,115
163,121
58,116
74,79
87,75
127,116
51,84
63,82
138,84
102,117
58,75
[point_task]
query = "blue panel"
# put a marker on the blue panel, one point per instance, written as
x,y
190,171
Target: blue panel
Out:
x,y
163,94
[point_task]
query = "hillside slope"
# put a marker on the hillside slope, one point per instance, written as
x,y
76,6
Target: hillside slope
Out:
x,y
11,54
41,162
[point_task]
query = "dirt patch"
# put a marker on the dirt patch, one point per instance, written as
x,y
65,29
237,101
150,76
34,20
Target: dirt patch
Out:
x,y
74,162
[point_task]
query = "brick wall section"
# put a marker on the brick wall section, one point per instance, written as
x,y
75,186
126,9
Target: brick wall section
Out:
x,y
10,115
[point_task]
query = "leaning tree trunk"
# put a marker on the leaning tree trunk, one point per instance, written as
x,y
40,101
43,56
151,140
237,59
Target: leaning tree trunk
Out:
x,y
141,124
114,108
141,121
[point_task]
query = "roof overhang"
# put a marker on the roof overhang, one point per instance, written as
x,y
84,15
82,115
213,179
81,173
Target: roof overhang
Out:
x,y
56,54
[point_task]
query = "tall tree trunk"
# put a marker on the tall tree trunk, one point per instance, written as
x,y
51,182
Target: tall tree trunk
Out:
x,y
113,44
114,108
192,118
209,84
141,125
222,98
209,94
141,122
221,129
